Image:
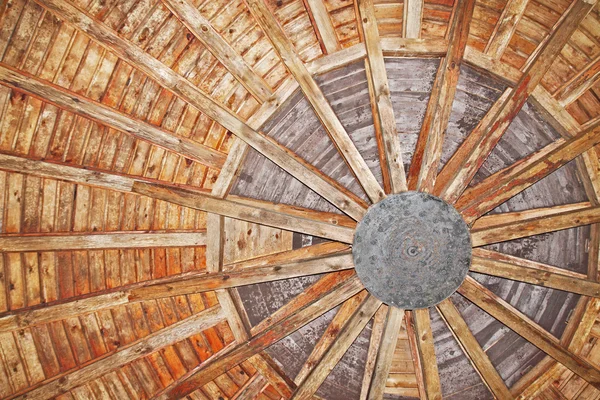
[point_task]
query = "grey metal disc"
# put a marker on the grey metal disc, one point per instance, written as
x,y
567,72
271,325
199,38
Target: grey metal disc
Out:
x,y
412,250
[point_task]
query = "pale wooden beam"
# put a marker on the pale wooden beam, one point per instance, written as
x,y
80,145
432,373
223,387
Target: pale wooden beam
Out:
x,y
385,353
402,47
172,334
473,350
323,26
428,152
379,321
347,335
417,359
505,28
466,161
528,329
219,365
431,376
183,88
387,134
268,368
252,389
579,84
316,98
504,72
413,15
203,30
245,212
109,240
87,108
507,183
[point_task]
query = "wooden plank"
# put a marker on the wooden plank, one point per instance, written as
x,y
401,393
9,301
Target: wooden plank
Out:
x,y
428,152
431,376
109,240
347,335
191,94
387,134
323,25
315,96
413,15
379,321
385,353
505,28
460,169
519,323
503,185
403,47
505,72
417,358
473,350
87,108
245,212
216,44
129,353
216,366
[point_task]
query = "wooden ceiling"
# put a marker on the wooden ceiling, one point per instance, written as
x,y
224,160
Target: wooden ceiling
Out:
x,y
125,124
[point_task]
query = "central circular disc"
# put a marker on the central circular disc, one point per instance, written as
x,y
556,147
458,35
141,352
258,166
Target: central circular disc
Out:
x,y
412,250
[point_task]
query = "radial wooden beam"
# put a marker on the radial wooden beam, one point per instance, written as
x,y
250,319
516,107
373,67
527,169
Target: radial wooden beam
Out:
x,y
80,105
499,187
431,375
202,29
238,210
413,15
428,153
217,366
172,334
385,353
401,47
505,28
348,334
323,26
112,240
536,335
387,134
466,161
579,84
316,98
417,359
377,329
183,88
473,350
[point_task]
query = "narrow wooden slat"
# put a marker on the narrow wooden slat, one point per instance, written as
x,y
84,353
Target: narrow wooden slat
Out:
x,y
232,209
215,367
323,26
112,240
506,183
316,98
402,47
104,115
506,73
519,228
428,152
347,335
518,322
251,391
151,343
460,169
379,321
268,368
431,376
505,28
413,15
473,350
387,134
181,87
206,33
417,358
385,353
579,84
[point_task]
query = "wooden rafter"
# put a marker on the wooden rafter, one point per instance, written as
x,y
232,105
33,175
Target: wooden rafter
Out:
x,y
519,323
316,98
431,376
402,47
323,26
460,169
413,15
428,153
181,87
377,330
505,28
417,359
579,84
387,134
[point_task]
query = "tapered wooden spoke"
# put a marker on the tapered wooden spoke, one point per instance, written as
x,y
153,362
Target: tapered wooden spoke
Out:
x,y
245,212
417,358
317,99
102,114
385,353
428,153
334,354
377,330
473,350
507,183
217,366
181,87
431,375
387,132
528,329
170,335
505,28
460,169
112,240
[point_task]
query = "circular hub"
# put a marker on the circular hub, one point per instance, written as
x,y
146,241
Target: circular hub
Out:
x,y
412,250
